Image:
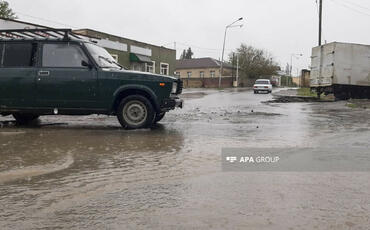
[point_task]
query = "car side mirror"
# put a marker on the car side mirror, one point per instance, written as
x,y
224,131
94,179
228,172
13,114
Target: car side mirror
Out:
x,y
86,64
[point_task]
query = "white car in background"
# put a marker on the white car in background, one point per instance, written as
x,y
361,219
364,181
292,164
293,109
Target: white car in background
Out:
x,y
262,85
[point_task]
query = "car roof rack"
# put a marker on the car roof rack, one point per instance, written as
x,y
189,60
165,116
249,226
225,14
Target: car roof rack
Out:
x,y
38,34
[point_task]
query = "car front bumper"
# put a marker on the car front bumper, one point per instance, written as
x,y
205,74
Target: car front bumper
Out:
x,y
171,103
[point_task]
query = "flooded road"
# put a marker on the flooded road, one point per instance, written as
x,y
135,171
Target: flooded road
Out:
x,y
87,173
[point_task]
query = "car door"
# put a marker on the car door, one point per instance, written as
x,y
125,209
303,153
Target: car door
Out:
x,y
17,74
66,79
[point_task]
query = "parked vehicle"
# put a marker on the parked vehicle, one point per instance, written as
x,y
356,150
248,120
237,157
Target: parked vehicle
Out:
x,y
262,85
54,71
342,69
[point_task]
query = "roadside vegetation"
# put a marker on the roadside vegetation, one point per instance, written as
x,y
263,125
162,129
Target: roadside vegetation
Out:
x,y
254,62
358,104
306,92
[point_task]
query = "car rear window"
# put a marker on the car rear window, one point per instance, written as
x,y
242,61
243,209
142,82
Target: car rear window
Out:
x,y
1,53
63,55
18,54
263,82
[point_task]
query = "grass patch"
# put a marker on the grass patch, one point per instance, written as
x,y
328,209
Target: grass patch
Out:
x,y
306,92
352,105
358,104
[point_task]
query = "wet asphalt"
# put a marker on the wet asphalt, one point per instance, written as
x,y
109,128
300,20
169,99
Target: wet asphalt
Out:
x,y
87,173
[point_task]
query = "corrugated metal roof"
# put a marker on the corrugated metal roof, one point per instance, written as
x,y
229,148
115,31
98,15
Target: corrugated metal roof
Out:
x,y
198,63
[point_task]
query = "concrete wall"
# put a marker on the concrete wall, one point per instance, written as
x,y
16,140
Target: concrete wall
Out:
x,y
246,82
296,81
195,73
305,78
226,82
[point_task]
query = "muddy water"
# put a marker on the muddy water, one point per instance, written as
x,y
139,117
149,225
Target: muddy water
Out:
x,y
87,173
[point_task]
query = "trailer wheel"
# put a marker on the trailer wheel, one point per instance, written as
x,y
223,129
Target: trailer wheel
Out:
x,y
24,119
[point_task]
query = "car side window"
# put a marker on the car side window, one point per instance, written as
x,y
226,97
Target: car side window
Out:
x,y
18,54
63,55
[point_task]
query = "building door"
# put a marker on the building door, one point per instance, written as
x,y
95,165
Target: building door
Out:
x,y
63,81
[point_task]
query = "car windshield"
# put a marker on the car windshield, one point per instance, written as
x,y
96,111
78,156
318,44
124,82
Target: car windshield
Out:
x,y
263,82
101,56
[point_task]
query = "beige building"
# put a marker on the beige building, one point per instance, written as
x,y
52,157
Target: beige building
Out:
x,y
202,68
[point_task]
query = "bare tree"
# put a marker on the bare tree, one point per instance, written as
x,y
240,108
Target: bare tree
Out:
x,y
255,62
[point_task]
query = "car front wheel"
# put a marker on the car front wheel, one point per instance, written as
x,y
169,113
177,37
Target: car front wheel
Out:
x,y
135,112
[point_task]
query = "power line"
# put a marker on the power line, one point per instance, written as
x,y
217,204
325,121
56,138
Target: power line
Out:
x,y
356,4
45,20
350,8
198,47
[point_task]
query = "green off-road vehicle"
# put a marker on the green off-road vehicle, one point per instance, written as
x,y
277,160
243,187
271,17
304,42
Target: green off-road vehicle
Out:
x,y
55,71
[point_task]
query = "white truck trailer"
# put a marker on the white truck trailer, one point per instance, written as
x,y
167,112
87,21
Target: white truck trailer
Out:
x,y
342,69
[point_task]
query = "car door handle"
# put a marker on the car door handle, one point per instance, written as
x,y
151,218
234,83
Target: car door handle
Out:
x,y
43,73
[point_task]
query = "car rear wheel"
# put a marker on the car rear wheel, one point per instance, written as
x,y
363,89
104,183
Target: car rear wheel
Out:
x,y
25,119
135,112
159,117
255,92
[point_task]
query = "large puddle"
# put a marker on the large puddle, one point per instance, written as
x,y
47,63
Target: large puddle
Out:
x,y
86,172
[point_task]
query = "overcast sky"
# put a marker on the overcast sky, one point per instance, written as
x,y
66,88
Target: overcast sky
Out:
x,y
281,27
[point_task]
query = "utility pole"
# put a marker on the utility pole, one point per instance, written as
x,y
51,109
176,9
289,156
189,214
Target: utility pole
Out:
x,y
237,70
222,60
320,22
223,49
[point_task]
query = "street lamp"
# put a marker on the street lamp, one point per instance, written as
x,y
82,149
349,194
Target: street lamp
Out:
x,y
223,48
291,61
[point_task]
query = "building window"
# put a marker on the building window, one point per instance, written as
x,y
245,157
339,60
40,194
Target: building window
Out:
x,y
165,68
212,73
189,74
150,67
177,74
138,67
201,74
115,57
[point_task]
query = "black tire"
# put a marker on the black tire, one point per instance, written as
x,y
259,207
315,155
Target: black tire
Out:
x,y
159,117
135,112
255,92
25,119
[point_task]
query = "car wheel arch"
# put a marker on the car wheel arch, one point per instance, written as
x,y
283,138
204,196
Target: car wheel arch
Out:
x,y
135,90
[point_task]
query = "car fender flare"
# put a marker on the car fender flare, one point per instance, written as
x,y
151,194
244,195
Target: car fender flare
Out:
x,y
145,89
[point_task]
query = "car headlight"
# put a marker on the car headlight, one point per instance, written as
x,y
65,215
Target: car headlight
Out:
x,y
174,87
